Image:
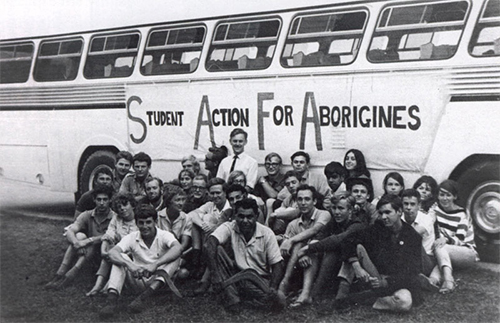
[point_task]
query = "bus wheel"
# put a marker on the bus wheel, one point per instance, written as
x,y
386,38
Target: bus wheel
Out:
x,y
93,162
482,185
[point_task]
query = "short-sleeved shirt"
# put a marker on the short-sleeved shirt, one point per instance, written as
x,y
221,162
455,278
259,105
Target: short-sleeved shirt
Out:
x,y
428,237
260,253
118,228
92,226
141,253
277,183
299,225
134,187
316,180
244,163
209,213
181,226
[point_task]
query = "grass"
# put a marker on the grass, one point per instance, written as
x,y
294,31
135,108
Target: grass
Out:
x,y
31,250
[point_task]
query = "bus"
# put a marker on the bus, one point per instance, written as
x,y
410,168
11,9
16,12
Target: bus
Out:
x,y
415,85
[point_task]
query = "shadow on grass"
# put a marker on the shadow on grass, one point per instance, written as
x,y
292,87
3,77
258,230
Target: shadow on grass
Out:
x,y
32,248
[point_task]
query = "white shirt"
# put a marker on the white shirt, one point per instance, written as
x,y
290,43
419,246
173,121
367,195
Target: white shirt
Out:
x,y
141,253
425,222
244,163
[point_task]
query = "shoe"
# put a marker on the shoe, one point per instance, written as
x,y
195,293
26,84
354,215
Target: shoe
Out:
x,y
427,284
54,282
447,287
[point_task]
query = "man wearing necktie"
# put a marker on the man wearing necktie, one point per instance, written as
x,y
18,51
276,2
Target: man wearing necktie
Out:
x,y
240,160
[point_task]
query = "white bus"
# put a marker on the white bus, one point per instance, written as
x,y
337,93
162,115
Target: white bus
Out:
x,y
415,85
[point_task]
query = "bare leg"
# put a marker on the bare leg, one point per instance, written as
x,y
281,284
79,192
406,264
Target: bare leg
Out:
x,y
309,276
285,283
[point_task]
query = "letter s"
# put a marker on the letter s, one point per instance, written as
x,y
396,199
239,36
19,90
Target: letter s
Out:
x,y
412,111
136,119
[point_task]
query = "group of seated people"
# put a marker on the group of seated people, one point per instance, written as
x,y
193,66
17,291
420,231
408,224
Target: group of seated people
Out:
x,y
282,240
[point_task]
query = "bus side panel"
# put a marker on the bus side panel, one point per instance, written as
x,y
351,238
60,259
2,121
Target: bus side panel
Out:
x,y
467,128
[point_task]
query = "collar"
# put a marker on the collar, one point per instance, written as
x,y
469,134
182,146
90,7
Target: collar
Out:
x,y
313,216
259,232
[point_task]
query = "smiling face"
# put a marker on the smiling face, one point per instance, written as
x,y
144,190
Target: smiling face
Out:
x,y
425,191
186,181
218,196
238,143
273,166
147,228
178,202
393,187
446,199
341,211
360,193
199,188
122,167
350,162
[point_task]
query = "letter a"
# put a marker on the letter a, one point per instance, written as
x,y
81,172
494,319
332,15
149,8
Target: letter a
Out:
x,y
201,122
314,120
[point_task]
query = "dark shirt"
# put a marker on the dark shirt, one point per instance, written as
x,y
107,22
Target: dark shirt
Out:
x,y
400,258
331,235
278,182
192,204
86,202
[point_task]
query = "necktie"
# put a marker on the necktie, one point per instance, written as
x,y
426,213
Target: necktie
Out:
x,y
234,163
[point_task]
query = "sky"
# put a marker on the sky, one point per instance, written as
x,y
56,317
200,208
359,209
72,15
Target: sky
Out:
x,y
22,18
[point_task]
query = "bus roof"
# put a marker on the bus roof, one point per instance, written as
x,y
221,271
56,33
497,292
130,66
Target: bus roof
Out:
x,y
26,18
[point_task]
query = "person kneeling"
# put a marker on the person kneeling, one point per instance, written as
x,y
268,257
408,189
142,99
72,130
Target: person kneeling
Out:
x,y
147,259
257,267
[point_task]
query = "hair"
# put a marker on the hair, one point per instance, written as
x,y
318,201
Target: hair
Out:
x,y
103,189
150,179
305,187
234,174
144,211
125,155
194,160
217,154
394,201
170,192
122,199
271,155
142,157
235,188
102,169
301,153
190,173
202,177
215,181
450,186
292,173
429,180
360,168
247,204
410,192
335,168
238,131
344,195
397,177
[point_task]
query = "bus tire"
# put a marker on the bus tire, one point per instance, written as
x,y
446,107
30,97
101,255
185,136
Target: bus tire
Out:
x,y
481,189
95,160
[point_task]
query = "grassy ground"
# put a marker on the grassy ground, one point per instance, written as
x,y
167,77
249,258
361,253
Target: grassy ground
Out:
x,y
31,250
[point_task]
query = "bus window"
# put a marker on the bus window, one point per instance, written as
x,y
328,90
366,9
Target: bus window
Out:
x,y
247,45
112,56
15,62
173,51
324,39
418,32
485,40
58,60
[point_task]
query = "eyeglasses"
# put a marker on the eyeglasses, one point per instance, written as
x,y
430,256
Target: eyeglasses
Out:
x,y
271,164
198,187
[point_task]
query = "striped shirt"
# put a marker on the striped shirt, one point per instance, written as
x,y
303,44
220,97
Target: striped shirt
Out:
x,y
455,226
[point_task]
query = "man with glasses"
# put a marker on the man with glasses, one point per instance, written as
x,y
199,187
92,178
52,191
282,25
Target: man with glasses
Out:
x,y
270,185
198,193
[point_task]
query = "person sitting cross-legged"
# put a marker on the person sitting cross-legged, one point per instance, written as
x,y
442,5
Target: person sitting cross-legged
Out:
x,y
146,259
257,267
